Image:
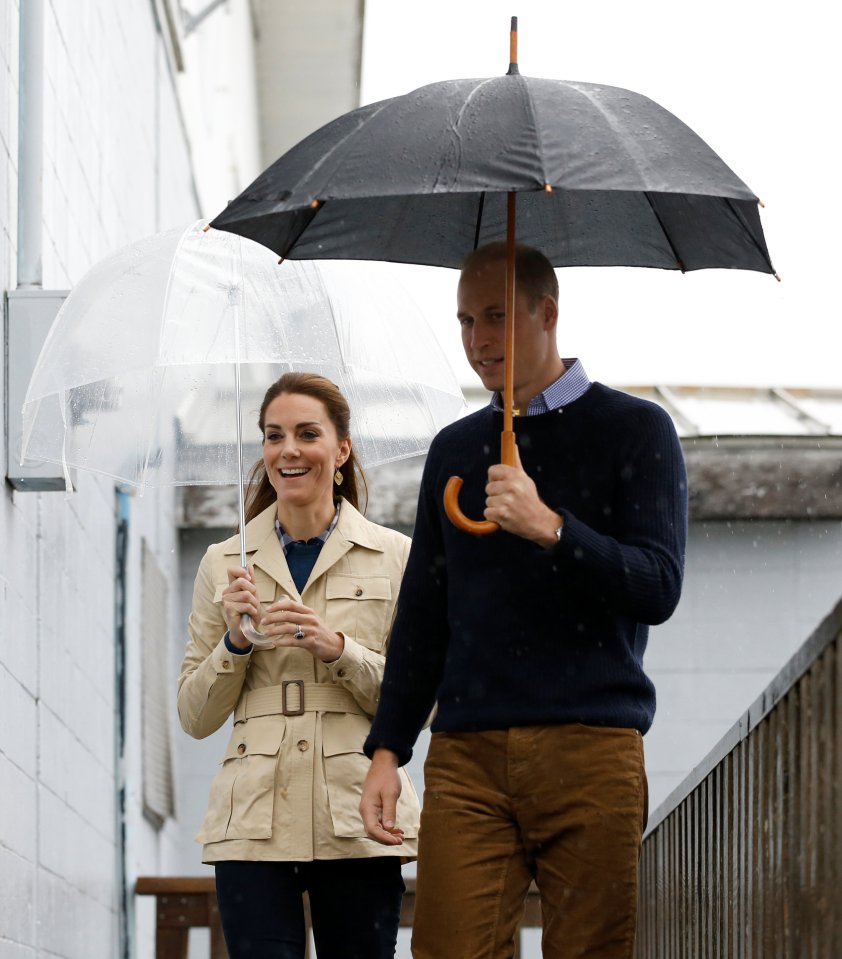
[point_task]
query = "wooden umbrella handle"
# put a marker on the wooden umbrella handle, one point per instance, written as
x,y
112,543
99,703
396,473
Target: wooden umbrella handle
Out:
x,y
481,527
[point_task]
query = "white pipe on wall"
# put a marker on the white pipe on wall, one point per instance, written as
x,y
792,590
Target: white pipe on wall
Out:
x,y
31,145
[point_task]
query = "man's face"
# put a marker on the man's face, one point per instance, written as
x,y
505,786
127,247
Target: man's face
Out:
x,y
481,311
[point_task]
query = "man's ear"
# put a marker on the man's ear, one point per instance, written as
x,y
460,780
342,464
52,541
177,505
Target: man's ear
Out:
x,y
550,308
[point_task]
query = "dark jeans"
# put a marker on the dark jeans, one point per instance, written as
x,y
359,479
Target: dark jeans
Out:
x,y
354,904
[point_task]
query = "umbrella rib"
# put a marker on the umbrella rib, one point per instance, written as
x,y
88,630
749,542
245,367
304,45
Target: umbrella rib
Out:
x,y
738,215
479,219
456,142
158,372
170,274
636,157
339,143
307,221
536,127
667,237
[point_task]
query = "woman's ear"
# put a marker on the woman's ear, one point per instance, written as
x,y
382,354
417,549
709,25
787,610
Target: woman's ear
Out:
x,y
344,452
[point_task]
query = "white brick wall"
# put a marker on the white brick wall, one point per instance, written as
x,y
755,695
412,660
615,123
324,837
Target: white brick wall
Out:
x,y
17,891
117,166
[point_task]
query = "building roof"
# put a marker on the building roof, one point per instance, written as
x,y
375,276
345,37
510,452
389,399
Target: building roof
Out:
x,y
752,453
748,411
735,410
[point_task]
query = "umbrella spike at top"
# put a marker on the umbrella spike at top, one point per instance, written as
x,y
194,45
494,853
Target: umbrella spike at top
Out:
x,y
513,70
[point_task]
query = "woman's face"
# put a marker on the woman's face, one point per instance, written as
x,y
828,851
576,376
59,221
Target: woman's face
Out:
x,y
301,451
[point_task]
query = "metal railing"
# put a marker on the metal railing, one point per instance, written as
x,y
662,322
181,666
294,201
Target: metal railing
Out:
x,y
744,859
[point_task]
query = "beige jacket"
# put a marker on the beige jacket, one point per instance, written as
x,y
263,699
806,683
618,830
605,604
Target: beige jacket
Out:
x,y
290,780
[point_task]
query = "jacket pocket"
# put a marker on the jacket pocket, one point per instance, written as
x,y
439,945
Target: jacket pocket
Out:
x,y
346,767
242,797
360,606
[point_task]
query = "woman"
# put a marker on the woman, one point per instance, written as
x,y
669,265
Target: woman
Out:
x,y
322,582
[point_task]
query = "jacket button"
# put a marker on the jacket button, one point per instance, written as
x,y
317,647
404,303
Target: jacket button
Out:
x,y
358,591
303,745
226,663
340,672
241,748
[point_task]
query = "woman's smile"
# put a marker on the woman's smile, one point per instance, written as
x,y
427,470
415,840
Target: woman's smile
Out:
x,y
301,452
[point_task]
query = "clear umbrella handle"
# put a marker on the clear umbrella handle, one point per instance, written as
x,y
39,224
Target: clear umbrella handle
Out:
x,y
253,635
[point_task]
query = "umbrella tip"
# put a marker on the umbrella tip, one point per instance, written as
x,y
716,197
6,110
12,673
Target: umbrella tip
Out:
x,y
513,70
548,188
777,277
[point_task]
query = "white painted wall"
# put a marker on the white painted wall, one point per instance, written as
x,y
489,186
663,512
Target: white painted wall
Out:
x,y
121,138
753,593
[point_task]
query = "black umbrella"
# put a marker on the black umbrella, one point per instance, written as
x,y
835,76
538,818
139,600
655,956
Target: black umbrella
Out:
x,y
604,177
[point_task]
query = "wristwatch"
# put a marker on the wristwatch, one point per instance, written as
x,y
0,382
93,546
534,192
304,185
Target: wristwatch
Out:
x,y
558,533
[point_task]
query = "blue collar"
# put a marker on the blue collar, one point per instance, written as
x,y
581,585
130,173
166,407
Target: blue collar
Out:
x,y
286,539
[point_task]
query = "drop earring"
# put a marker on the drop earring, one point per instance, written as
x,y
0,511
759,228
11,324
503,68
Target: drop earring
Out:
x,y
337,478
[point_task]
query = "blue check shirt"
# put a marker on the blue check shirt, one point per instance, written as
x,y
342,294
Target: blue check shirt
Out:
x,y
573,383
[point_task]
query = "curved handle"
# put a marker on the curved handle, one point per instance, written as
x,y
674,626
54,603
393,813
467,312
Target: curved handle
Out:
x,y
253,635
480,527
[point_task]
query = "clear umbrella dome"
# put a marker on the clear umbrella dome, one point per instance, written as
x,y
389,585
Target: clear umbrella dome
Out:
x,y
137,377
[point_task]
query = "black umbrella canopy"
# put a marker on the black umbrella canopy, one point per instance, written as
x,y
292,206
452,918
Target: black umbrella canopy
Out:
x,y
604,176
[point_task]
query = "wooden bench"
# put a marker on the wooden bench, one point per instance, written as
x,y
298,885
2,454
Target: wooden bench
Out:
x,y
186,902
181,904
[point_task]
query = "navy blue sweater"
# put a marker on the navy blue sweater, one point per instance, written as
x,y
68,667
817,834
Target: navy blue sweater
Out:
x,y
504,633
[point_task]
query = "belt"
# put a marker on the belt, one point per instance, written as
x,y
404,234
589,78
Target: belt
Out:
x,y
293,698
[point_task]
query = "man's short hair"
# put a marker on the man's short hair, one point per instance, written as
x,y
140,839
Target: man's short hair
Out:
x,y
534,274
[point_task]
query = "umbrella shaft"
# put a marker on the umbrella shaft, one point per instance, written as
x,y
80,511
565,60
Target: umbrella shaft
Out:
x,y
509,381
241,494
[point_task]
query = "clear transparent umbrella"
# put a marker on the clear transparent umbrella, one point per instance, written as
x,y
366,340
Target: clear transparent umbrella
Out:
x,y
159,348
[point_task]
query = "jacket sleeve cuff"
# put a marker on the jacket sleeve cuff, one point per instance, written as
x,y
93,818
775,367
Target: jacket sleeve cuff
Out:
x,y
225,662
233,649
350,659
375,742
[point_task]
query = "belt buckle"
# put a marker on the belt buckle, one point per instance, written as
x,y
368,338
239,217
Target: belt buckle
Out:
x,y
292,712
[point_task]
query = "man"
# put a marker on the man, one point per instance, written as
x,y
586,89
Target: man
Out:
x,y
531,641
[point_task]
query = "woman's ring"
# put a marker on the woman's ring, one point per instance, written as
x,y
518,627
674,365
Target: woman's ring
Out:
x,y
299,632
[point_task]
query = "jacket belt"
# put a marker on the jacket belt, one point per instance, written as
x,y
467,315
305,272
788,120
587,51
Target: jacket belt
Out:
x,y
294,697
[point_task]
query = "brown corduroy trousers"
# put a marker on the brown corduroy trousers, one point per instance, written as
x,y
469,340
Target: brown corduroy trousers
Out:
x,y
563,805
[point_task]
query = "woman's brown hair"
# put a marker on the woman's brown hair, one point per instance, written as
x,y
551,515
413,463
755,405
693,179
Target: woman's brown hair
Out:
x,y
260,492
